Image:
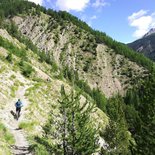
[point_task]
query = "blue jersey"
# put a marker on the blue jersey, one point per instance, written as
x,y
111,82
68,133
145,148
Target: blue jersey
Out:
x,y
19,104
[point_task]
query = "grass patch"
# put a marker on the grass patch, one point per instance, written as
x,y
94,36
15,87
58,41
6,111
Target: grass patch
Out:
x,y
2,69
12,48
39,149
5,135
6,139
4,150
13,90
12,77
37,79
28,126
41,146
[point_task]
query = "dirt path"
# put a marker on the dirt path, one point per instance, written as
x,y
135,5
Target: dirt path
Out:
x,y
21,146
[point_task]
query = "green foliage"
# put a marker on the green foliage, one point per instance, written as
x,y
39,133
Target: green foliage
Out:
x,y
9,57
42,146
1,17
28,126
13,49
69,74
15,7
140,115
138,109
86,67
96,94
13,90
99,98
123,49
6,140
116,134
83,85
103,38
5,135
115,108
74,132
48,59
19,6
139,112
13,30
26,69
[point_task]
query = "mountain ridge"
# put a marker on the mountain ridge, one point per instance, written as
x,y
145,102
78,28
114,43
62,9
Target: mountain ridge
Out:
x,y
150,32
87,93
66,47
145,45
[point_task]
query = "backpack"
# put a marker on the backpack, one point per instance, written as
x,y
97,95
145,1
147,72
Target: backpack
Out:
x,y
18,104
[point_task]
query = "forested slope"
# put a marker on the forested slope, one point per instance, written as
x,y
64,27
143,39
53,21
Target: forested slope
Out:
x,y
66,63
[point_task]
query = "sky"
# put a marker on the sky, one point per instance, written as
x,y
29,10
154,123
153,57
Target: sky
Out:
x,y
123,20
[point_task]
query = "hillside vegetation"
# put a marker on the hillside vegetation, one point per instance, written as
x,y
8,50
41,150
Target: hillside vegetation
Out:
x,y
85,92
95,63
43,91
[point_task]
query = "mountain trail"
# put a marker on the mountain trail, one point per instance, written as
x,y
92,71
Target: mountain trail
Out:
x,y
8,116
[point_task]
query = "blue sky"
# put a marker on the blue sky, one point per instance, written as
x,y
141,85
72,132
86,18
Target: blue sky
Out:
x,y
123,20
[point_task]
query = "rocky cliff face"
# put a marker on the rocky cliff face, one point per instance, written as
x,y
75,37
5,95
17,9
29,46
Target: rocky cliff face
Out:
x,y
70,46
39,95
152,31
145,45
29,72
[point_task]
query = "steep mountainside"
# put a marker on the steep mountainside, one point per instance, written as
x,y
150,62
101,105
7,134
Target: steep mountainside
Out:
x,y
145,45
41,91
83,92
71,46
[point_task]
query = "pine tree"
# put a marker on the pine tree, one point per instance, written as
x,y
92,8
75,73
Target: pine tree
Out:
x,y
116,133
74,128
146,133
140,116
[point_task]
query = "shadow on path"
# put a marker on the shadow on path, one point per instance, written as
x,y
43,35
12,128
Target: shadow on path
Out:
x,y
24,149
13,114
18,129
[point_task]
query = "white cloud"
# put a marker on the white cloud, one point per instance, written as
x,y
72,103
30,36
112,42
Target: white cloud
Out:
x,y
37,1
142,21
77,5
99,3
138,14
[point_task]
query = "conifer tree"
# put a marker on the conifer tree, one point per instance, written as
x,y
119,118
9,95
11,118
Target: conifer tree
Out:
x,y
75,132
116,134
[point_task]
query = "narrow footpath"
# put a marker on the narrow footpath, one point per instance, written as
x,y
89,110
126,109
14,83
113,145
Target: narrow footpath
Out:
x,y
8,117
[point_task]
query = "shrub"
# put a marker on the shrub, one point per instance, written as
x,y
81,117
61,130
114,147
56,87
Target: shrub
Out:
x,y
26,68
9,57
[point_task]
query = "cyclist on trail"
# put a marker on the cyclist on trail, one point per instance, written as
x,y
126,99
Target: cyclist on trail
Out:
x,y
18,105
